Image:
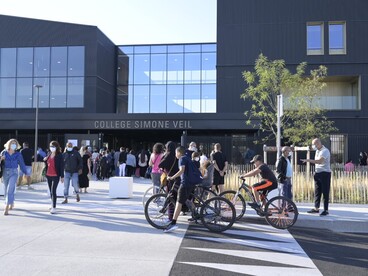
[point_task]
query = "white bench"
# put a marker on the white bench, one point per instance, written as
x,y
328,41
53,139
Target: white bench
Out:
x,y
120,187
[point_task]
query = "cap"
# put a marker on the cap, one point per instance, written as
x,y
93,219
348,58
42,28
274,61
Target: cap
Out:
x,y
256,158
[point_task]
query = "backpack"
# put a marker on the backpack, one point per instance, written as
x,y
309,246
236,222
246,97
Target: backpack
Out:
x,y
194,175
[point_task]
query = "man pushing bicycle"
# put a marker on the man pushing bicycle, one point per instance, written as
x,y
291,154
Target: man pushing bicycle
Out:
x,y
268,182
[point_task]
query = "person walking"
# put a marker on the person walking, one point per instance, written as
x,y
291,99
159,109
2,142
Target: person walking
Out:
x,y
86,170
154,162
322,176
72,168
284,171
12,159
27,155
54,171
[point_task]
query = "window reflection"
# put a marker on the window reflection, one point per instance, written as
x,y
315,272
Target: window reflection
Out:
x,y
141,99
192,71
58,92
158,99
208,98
192,99
76,61
175,99
44,96
141,69
7,92
175,68
58,61
25,62
75,92
42,62
8,62
209,68
24,93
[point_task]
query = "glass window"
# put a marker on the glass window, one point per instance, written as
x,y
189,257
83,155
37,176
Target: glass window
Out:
x,y
8,61
141,69
7,92
175,99
58,92
209,68
130,98
24,93
208,47
158,99
141,99
158,49
175,68
192,99
208,98
41,62
315,38
192,65
175,48
75,92
58,61
127,49
25,62
44,96
192,48
158,69
76,61
141,49
336,38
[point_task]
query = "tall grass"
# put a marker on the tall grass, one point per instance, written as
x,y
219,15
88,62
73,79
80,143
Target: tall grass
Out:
x,y
346,187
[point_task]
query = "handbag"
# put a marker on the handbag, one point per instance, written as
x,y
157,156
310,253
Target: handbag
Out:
x,y
163,177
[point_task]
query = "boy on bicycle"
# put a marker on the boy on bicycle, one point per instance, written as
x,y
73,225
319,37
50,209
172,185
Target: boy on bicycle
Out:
x,y
268,182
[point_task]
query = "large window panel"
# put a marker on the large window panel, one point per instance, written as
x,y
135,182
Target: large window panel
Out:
x,y
130,98
337,38
192,98
175,48
158,99
175,101
25,62
44,92
142,49
76,61
7,92
141,99
209,68
75,92
141,69
192,48
24,93
208,98
208,47
175,68
158,69
8,59
315,45
58,92
59,61
192,68
41,62
158,49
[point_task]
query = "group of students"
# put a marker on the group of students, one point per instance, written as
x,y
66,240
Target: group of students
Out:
x,y
70,166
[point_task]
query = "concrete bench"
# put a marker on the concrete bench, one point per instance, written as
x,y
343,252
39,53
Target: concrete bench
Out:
x,y
120,187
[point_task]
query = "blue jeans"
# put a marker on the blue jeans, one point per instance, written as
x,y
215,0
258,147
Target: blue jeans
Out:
x,y
10,177
75,184
286,188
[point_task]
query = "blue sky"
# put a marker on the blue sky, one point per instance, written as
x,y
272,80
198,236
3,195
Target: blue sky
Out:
x,y
128,21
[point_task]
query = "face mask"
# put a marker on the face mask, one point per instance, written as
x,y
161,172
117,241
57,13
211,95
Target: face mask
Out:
x,y
13,146
193,148
196,159
69,149
52,149
290,154
314,147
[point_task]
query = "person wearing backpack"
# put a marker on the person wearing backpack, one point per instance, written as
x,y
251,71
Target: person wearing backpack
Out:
x,y
189,176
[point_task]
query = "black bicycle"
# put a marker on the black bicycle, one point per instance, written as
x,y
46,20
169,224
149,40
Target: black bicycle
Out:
x,y
216,213
280,212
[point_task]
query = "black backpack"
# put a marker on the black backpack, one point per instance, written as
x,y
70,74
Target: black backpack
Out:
x,y
194,175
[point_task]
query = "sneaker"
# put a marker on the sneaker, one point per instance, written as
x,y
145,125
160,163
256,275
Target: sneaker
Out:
x,y
171,227
78,198
324,213
65,201
52,211
313,211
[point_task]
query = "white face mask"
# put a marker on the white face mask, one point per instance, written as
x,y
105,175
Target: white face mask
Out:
x,y
290,153
196,159
52,149
314,147
69,149
13,146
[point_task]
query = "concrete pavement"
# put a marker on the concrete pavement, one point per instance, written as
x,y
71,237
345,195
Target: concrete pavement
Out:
x,y
103,236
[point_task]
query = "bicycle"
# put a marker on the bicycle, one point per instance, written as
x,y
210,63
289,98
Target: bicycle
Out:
x,y
216,213
280,212
149,192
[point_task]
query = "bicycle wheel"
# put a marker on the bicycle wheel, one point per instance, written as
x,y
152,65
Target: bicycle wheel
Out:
x,y
281,212
238,202
159,210
217,214
148,193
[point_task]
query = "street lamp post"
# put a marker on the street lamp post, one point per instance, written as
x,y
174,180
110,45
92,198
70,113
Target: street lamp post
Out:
x,y
38,86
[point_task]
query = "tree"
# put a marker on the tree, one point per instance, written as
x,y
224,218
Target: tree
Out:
x,y
303,118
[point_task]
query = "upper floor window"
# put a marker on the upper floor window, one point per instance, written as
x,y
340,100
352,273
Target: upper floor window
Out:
x,y
315,44
337,38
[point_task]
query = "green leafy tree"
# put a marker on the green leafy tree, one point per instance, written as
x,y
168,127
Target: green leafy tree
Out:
x,y
303,117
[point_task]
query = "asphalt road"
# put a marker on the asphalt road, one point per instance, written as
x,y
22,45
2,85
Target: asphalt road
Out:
x,y
255,248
